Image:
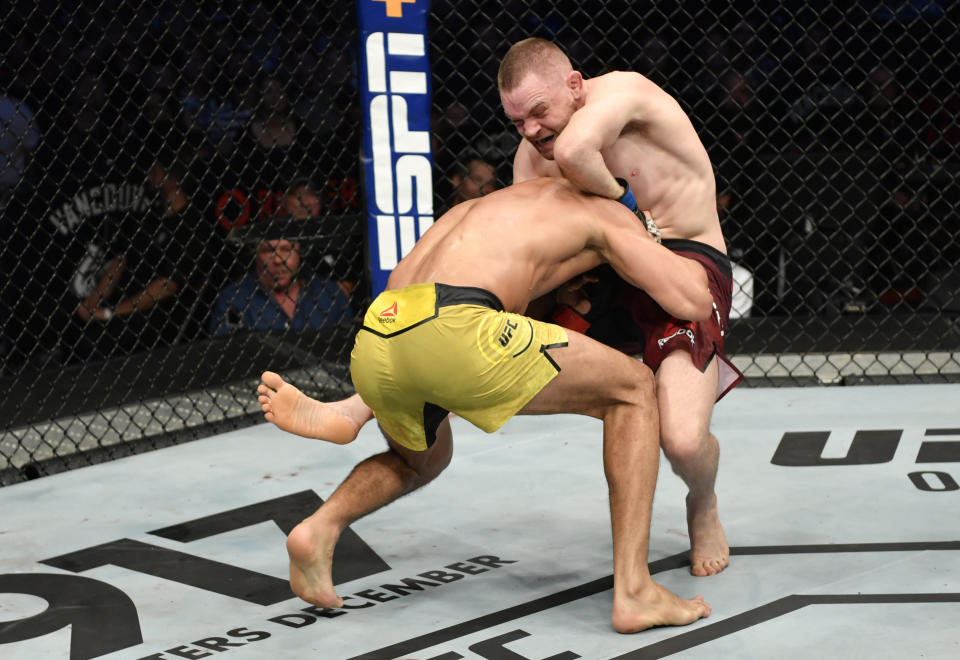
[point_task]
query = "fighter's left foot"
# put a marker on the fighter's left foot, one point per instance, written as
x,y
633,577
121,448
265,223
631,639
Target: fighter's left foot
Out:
x,y
310,546
709,552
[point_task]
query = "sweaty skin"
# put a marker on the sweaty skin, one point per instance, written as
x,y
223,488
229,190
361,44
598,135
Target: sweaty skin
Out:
x,y
621,124
551,233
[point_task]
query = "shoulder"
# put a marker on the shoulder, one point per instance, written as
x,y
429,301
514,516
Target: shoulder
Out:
x,y
621,86
618,82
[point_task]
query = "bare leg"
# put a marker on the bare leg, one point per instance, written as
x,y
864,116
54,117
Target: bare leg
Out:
x,y
374,483
598,381
686,397
294,412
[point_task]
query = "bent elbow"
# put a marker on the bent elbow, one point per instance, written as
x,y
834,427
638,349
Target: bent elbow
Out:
x,y
701,298
703,312
568,154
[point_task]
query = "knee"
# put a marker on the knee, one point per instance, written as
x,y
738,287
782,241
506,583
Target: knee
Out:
x,y
428,465
642,389
439,458
682,440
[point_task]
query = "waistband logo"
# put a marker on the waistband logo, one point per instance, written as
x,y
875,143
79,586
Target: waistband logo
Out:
x,y
390,311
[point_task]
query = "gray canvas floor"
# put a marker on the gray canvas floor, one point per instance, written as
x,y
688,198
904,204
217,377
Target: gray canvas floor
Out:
x,y
841,506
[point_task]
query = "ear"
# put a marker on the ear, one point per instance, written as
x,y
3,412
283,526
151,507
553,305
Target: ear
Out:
x,y
575,84
456,180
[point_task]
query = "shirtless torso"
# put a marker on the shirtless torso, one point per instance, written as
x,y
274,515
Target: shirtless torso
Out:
x,y
658,152
524,241
622,125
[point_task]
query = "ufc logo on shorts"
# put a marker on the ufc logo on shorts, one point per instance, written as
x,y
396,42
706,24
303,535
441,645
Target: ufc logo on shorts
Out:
x,y
507,334
403,184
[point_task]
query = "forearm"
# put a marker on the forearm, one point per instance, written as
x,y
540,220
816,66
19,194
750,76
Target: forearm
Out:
x,y
159,289
685,294
586,169
106,285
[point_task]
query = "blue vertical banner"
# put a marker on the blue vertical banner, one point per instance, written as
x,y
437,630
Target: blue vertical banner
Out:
x,y
397,156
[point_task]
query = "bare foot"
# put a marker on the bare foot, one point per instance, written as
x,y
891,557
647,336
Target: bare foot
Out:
x,y
656,606
709,552
311,565
294,412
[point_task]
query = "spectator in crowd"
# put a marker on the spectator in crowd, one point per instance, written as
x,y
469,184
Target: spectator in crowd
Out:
x,y
139,301
326,105
270,151
86,185
473,177
18,140
280,294
302,202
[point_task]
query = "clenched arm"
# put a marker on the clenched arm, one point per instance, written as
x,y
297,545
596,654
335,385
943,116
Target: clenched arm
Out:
x,y
677,284
611,105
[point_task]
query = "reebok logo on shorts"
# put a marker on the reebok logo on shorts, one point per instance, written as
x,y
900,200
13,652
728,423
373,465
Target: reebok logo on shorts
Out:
x,y
390,311
389,315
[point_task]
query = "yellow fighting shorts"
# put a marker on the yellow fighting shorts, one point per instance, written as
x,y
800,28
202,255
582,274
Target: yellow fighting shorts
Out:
x,y
430,349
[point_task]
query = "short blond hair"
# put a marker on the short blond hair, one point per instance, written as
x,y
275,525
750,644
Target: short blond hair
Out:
x,y
527,56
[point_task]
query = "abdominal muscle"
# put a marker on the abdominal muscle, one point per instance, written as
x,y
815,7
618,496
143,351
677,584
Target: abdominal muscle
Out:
x,y
674,183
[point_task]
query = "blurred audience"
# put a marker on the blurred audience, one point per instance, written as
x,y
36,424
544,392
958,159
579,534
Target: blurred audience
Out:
x,y
280,294
333,259
90,101
472,177
145,295
271,151
19,137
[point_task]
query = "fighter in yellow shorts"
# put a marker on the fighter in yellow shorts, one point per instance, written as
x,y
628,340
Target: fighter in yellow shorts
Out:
x,y
447,334
429,349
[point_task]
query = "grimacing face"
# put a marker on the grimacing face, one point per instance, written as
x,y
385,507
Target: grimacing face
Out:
x,y
539,107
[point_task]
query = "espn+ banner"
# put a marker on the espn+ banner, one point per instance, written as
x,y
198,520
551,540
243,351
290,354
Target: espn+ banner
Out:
x,y
397,159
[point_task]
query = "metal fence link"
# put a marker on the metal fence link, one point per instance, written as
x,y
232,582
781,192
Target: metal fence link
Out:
x,y
180,193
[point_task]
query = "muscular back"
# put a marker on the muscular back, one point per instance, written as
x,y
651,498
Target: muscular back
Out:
x,y
525,240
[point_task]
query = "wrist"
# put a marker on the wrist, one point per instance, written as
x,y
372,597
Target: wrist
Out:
x,y
106,313
626,197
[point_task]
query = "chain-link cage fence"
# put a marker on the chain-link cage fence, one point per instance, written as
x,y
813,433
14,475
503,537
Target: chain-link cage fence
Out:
x,y
182,213
180,192
833,132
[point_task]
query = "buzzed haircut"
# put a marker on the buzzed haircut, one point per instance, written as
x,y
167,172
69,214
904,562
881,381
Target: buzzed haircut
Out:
x,y
533,54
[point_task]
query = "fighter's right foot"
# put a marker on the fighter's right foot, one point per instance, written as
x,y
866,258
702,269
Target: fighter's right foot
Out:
x,y
294,412
311,565
656,606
